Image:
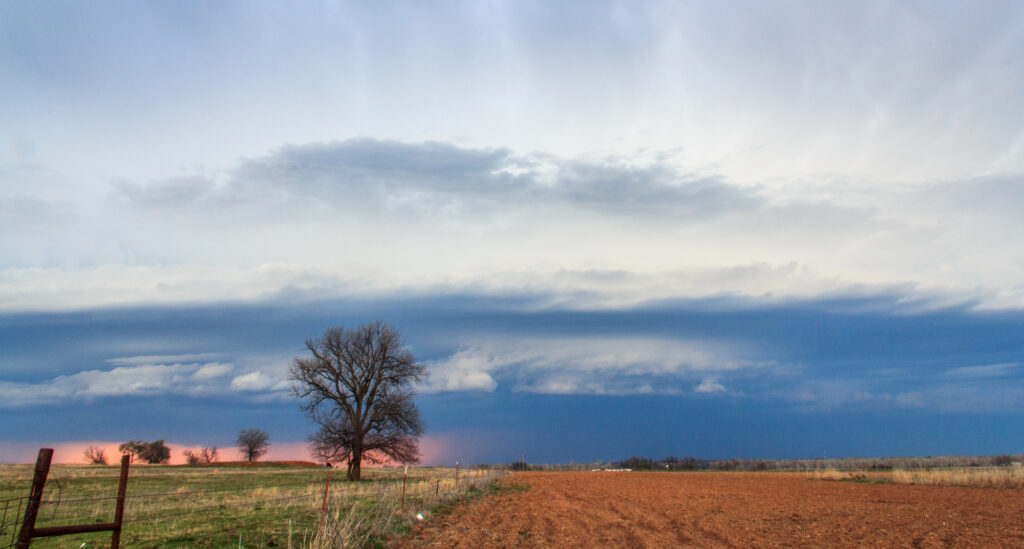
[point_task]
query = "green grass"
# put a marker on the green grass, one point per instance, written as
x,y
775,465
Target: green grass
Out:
x,y
516,487
212,506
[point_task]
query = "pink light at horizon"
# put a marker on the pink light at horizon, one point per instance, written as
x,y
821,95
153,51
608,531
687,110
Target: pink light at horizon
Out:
x,y
432,448
73,452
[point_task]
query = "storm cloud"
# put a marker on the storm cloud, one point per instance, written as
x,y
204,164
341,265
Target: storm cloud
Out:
x,y
754,229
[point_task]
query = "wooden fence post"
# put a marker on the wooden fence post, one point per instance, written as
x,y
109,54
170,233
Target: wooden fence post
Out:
x,y
122,489
35,496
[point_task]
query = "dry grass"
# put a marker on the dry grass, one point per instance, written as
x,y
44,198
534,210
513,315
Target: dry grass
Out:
x,y
977,477
833,474
372,512
989,477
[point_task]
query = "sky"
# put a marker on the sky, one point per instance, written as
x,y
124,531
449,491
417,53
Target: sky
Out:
x,y
744,229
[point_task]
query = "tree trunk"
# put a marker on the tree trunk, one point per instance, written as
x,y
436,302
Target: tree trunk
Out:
x,y
354,464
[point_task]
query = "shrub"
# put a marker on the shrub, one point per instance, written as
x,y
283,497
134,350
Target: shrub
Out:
x,y
94,455
1002,460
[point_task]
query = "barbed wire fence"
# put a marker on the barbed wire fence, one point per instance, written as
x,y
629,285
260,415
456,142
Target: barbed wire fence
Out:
x,y
237,507
9,521
287,511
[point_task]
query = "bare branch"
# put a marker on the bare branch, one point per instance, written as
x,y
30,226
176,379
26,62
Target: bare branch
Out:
x,y
358,387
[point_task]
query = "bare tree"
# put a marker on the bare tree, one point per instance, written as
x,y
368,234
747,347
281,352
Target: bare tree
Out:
x,y
358,388
253,443
94,455
208,455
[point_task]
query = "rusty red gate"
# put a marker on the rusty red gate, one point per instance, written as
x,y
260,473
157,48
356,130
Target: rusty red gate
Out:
x,y
28,525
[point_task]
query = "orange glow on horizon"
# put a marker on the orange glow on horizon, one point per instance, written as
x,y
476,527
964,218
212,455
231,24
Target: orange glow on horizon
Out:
x,y
432,449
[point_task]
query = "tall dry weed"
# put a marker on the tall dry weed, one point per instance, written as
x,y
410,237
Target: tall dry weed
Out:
x,y
1001,477
361,514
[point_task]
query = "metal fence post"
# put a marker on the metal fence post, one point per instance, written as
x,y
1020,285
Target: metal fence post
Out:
x,y
405,476
323,509
34,497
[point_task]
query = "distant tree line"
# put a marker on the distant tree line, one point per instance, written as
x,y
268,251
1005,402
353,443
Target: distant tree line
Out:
x,y
672,463
252,443
881,464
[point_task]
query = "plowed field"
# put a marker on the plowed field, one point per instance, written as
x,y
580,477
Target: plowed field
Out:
x,y
613,509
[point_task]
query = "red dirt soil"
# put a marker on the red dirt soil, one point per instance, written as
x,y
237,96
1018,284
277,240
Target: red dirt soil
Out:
x,y
621,509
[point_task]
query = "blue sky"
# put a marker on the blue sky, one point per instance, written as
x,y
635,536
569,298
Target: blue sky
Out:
x,y
763,229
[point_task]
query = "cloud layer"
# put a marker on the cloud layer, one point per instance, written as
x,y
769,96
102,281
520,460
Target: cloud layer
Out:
x,y
364,215
603,366
143,377
713,368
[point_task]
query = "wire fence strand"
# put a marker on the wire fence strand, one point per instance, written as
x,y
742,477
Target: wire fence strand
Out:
x,y
241,507
179,493
11,523
193,510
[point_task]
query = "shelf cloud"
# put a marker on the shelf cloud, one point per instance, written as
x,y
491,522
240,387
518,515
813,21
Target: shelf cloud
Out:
x,y
735,218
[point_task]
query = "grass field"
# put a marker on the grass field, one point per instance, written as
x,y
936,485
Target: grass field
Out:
x,y
231,506
275,505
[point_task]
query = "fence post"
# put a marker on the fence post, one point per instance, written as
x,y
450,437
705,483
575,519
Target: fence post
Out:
x,y
323,509
34,497
405,475
122,489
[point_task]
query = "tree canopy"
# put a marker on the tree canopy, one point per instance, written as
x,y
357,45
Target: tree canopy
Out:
x,y
358,388
253,443
152,452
